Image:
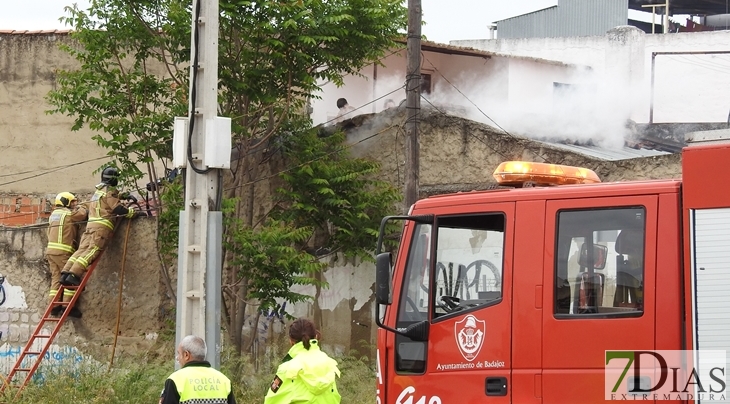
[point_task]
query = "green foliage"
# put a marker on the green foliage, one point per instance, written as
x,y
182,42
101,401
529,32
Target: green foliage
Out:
x,y
278,50
137,380
334,193
133,79
88,384
118,91
357,384
266,258
271,56
172,195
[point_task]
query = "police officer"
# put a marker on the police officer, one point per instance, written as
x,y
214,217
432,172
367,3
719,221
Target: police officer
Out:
x,y
62,231
196,381
105,207
307,375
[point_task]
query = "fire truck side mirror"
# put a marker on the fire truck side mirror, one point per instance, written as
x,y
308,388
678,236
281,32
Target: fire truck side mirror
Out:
x,y
600,253
383,278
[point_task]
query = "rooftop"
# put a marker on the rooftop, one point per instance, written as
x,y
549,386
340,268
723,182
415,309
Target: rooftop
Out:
x,y
436,47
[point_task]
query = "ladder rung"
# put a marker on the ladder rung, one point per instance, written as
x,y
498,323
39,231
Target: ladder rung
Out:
x,y
33,353
41,336
22,370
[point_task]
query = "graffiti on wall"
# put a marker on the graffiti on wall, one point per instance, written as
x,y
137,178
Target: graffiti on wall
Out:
x,y
57,359
11,297
3,296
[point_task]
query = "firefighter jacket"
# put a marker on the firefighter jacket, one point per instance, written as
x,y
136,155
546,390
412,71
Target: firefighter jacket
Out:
x,y
197,382
62,230
306,376
105,207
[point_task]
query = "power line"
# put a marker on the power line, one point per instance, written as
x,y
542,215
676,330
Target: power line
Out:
x,y
467,98
363,105
316,159
707,65
480,110
44,171
470,134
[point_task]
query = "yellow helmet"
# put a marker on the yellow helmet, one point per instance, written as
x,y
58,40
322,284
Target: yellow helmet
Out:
x,y
64,199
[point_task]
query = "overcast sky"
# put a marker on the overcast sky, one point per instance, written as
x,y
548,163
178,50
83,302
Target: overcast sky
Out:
x,y
446,19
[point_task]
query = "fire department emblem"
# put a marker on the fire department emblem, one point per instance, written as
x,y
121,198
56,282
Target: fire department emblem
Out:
x,y
469,334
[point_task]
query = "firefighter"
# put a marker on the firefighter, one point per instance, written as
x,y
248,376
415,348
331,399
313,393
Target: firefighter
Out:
x,y
307,375
105,207
196,381
62,231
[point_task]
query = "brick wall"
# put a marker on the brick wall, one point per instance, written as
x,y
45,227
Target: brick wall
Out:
x,y
22,210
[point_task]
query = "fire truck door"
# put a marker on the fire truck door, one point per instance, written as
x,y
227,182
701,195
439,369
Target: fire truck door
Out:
x,y
466,294
599,290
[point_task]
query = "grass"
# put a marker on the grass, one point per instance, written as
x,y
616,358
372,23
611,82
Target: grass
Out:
x,y
140,380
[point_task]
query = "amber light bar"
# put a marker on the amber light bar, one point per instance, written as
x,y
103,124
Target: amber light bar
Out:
x,y
520,172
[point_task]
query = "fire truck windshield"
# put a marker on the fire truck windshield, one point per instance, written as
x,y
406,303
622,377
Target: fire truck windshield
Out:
x,y
467,272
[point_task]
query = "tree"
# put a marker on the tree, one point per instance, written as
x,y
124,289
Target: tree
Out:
x,y
133,79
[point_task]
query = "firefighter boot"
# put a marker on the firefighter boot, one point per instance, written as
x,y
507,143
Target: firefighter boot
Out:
x,y
70,280
57,311
74,312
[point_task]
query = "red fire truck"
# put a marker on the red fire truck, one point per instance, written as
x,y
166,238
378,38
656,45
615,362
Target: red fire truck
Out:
x,y
515,294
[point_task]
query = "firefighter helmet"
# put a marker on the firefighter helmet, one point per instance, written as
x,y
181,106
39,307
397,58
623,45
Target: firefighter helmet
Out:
x,y
64,199
109,176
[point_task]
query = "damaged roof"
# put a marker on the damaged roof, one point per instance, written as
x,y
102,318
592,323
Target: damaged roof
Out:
x,y
436,47
694,7
644,140
603,153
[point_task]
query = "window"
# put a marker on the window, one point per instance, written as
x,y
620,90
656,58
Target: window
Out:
x,y
468,263
599,265
425,83
414,304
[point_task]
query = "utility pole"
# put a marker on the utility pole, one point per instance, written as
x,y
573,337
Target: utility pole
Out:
x,y
202,146
413,102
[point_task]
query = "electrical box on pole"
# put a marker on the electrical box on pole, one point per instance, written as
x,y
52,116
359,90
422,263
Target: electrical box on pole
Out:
x,y
202,146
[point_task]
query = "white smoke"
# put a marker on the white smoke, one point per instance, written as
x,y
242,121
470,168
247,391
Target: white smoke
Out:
x,y
581,107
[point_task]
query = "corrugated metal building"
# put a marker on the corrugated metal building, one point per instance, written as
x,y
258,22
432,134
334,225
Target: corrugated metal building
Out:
x,y
568,18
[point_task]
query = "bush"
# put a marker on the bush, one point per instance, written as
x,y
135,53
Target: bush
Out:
x,y
134,382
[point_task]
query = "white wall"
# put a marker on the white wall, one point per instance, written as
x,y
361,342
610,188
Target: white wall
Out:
x,y
360,91
480,88
688,88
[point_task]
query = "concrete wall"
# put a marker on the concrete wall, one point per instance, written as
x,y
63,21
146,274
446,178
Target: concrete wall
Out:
x,y
40,151
144,304
688,88
456,151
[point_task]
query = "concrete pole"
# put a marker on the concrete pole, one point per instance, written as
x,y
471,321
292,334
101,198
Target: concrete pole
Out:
x,y
651,101
199,250
413,102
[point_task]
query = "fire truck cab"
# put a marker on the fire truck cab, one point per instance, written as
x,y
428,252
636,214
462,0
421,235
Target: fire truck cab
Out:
x,y
514,295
